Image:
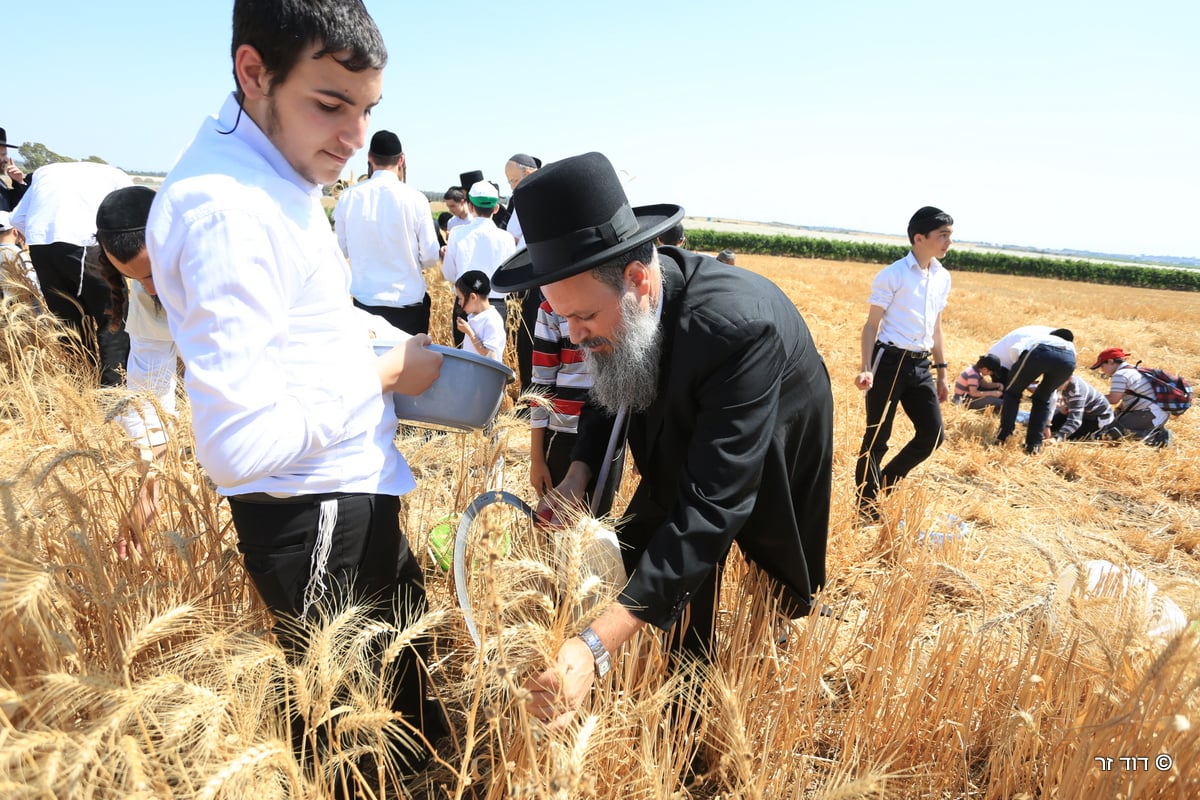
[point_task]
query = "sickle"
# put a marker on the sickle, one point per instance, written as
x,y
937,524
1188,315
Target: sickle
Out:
x,y
460,548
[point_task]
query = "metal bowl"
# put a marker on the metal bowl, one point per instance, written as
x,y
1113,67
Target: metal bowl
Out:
x,y
466,395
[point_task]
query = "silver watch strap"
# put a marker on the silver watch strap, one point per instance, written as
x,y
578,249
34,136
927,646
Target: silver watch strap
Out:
x,y
603,663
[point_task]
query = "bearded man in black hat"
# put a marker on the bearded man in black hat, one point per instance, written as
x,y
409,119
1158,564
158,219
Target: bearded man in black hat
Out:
x,y
730,414
10,195
57,217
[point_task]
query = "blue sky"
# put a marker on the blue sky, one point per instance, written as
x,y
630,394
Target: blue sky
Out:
x,y
1055,124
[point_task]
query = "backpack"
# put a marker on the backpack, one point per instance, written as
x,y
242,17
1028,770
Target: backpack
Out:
x,y
1171,392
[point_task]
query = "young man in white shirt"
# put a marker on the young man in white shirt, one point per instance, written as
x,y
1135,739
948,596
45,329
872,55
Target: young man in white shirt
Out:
x,y
292,411
385,227
152,368
478,245
1033,354
902,334
57,217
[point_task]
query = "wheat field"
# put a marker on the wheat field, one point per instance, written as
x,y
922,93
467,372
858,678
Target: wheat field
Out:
x,y
961,660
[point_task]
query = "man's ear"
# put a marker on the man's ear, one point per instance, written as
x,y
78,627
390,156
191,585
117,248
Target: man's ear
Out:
x,y
637,277
252,75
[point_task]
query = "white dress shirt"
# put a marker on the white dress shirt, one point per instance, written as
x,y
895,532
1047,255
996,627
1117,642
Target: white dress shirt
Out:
x,y
61,203
1010,348
912,299
514,228
152,368
477,245
386,229
280,371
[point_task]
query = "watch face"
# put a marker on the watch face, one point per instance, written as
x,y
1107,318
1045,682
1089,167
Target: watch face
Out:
x,y
602,666
598,652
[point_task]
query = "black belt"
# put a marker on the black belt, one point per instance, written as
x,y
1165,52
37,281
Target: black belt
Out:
x,y
917,354
262,498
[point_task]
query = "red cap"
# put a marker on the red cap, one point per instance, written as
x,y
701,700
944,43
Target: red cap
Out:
x,y
1109,354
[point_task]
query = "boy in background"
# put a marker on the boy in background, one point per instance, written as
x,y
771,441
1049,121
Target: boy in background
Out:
x,y
901,341
483,328
560,373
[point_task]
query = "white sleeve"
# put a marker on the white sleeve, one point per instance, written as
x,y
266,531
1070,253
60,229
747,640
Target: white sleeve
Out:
x,y
427,240
449,265
493,336
339,223
882,290
151,369
230,324
514,227
379,328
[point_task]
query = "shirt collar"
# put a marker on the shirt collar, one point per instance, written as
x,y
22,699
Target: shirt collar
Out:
x,y
385,175
248,132
911,260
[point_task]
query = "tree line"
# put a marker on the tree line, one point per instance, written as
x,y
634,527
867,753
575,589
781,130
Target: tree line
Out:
x,y
965,260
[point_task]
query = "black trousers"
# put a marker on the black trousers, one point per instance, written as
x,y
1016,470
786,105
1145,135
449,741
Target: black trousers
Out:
x,y
556,447
1086,428
1050,367
83,302
530,304
904,379
369,561
412,319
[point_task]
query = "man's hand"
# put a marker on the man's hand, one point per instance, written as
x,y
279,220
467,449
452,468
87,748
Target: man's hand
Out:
x,y
557,693
14,173
409,368
864,380
139,519
571,491
943,390
539,475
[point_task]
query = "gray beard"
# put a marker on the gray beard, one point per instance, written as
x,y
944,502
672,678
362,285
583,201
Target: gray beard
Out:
x,y
627,375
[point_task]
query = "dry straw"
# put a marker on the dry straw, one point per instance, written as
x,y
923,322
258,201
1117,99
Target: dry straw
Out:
x,y
946,667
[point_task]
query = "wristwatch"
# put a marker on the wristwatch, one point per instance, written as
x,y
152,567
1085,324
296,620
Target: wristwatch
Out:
x,y
603,663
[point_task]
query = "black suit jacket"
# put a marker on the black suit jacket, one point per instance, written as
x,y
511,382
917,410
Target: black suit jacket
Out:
x,y
10,197
737,446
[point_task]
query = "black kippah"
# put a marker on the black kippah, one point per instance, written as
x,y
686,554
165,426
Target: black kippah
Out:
x,y
125,210
525,161
924,213
386,144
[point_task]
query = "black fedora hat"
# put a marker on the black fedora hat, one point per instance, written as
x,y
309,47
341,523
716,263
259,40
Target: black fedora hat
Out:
x,y
468,179
4,139
575,216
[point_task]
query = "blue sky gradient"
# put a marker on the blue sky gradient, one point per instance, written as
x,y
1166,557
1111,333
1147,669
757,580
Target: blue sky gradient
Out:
x,y
1054,124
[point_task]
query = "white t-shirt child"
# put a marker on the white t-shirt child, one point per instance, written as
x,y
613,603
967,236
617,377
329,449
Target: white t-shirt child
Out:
x,y
483,329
